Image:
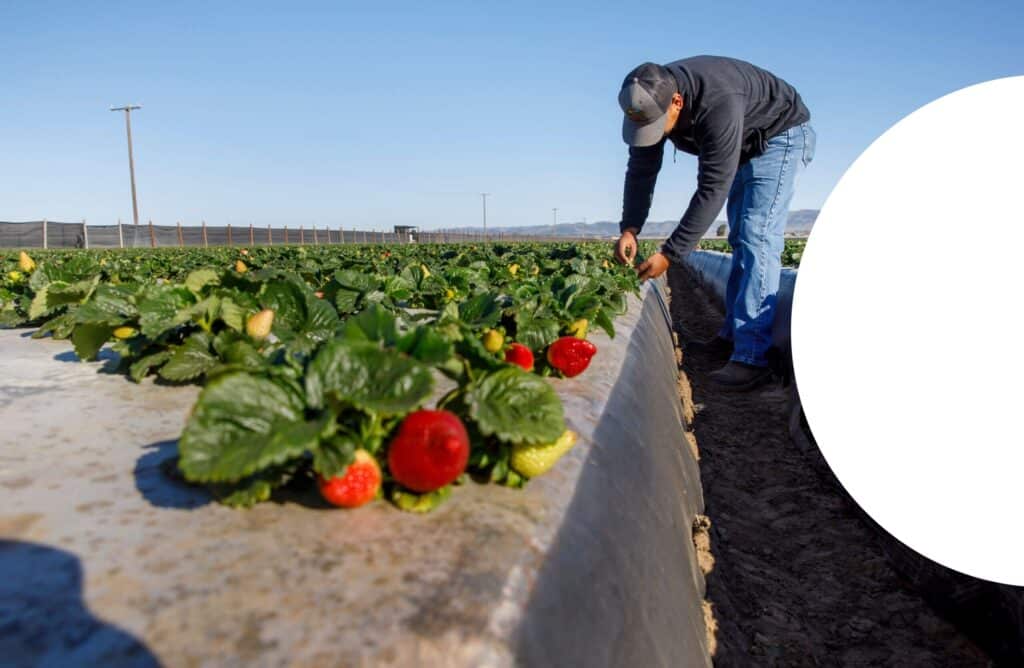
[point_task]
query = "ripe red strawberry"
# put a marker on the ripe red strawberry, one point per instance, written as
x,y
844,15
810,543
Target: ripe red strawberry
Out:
x,y
570,355
519,355
430,450
357,485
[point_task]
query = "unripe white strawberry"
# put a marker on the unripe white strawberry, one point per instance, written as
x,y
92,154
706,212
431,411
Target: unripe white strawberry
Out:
x,y
258,325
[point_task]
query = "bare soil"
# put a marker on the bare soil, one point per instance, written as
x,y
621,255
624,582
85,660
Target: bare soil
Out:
x,y
795,577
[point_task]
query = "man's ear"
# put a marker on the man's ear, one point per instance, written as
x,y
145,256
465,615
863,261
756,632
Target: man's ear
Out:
x,y
677,100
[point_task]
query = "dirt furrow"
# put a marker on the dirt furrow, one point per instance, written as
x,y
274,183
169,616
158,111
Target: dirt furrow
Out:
x,y
798,579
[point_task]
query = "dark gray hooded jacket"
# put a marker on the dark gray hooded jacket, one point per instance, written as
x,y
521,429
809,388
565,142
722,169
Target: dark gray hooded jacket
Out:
x,y
730,110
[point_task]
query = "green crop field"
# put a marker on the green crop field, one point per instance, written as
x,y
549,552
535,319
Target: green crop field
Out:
x,y
313,359
791,253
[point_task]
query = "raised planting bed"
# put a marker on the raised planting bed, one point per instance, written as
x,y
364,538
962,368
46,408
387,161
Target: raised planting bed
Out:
x,y
109,559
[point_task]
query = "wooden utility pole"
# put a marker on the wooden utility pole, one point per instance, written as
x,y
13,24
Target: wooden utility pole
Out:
x,y
127,109
483,196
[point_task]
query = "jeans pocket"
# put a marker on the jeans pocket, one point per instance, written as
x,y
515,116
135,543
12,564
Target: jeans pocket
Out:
x,y
810,143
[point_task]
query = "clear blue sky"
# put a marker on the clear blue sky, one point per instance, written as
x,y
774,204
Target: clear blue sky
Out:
x,y
351,114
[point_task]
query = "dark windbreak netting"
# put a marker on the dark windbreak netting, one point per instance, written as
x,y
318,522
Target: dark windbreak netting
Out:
x,y
39,234
104,236
21,235
192,236
128,235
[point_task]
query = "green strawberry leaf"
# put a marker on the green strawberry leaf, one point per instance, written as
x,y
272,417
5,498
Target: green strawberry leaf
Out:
x,y
347,301
108,305
382,382
333,455
256,488
480,311
142,366
604,321
164,307
200,278
535,333
243,424
233,314
516,407
189,360
88,339
288,301
60,327
427,345
375,324
355,280
59,293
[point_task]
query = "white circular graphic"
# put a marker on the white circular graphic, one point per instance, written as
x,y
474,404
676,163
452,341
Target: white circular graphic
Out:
x,y
908,330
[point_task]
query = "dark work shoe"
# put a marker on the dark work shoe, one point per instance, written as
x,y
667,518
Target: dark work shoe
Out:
x,y
739,377
715,347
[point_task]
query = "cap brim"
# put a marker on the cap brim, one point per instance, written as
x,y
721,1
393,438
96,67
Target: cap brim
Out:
x,y
647,134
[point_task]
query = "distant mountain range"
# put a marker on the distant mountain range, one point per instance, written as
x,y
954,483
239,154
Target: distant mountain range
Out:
x,y
799,224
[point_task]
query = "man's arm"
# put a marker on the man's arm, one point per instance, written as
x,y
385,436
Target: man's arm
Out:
x,y
641,175
719,138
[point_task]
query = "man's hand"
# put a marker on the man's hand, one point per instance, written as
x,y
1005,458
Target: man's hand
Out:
x,y
655,266
625,247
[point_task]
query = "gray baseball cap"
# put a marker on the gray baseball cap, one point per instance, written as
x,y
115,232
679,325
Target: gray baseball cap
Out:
x,y
645,97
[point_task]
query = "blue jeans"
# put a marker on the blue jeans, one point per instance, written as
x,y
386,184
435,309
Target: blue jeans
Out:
x,y
757,210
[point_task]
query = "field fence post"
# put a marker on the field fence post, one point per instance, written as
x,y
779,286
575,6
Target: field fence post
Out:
x,y
270,236
229,234
316,242
152,234
120,234
206,243
285,234
85,234
252,239
181,236
45,242
302,236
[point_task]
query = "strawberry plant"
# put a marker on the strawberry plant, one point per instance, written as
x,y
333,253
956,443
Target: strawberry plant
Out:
x,y
318,362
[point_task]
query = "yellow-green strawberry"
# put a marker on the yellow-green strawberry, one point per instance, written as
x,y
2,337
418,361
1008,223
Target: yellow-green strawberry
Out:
x,y
240,267
14,276
534,460
513,269
25,263
258,325
493,340
125,332
579,328
426,272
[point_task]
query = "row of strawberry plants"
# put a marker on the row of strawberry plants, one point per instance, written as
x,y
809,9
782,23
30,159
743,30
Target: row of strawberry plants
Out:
x,y
792,250
317,362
